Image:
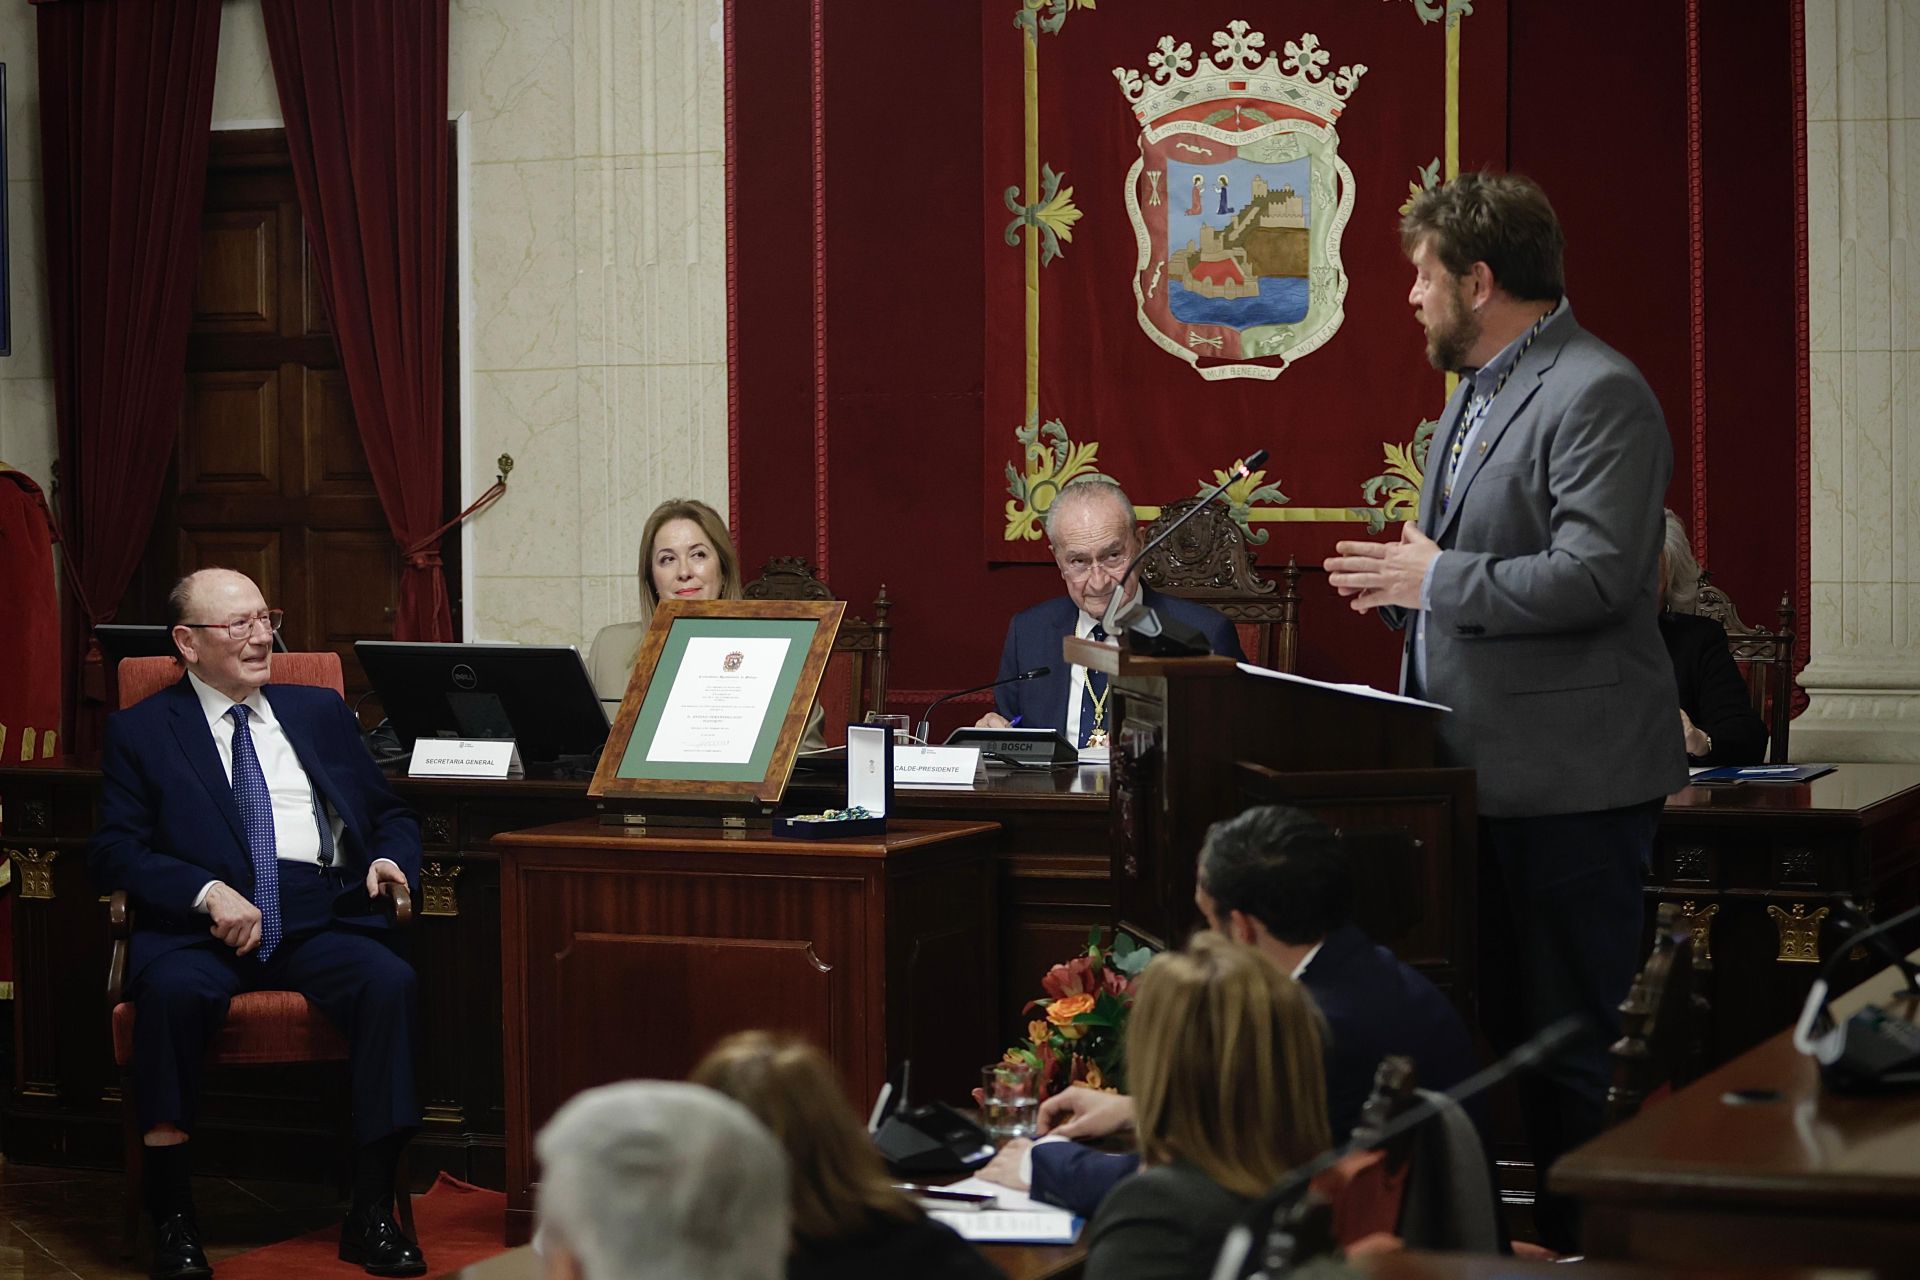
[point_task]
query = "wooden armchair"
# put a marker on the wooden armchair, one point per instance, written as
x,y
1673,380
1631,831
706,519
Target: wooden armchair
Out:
x,y
1207,561
1765,659
856,675
263,1028
1662,1022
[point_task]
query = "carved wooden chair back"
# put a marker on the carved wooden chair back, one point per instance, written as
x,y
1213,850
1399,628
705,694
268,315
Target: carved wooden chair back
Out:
x,y
1765,659
1662,1021
856,675
1207,560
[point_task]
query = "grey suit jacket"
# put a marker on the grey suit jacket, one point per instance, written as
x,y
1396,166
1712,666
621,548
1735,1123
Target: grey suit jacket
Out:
x,y
1542,631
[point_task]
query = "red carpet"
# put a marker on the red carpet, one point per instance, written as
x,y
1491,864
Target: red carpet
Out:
x,y
458,1225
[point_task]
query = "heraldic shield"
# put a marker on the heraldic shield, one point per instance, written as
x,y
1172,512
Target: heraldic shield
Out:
x,y
1238,201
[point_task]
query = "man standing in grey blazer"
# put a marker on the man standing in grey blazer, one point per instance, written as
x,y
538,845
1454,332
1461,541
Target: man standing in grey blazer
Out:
x,y
1527,591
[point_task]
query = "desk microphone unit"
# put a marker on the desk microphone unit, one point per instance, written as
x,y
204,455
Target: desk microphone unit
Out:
x,y
1021,748
1876,1050
931,1138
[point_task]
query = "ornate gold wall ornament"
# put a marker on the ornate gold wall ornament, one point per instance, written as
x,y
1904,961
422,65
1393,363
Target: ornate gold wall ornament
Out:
x,y
1700,920
1799,933
436,888
36,871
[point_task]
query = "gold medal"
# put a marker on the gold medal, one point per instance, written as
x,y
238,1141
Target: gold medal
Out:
x,y
1096,737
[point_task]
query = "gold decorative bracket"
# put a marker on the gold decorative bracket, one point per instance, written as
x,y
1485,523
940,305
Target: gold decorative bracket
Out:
x,y
1700,920
36,871
1799,933
436,888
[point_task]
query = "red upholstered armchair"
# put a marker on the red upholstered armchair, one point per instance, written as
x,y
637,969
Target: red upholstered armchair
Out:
x,y
263,1028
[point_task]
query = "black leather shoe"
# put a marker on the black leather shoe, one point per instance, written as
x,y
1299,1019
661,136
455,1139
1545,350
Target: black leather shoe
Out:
x,y
373,1239
176,1249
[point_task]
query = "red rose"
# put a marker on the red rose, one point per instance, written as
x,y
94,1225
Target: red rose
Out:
x,y
1070,979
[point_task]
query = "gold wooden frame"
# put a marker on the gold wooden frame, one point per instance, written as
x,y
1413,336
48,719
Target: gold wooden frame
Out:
x,y
607,781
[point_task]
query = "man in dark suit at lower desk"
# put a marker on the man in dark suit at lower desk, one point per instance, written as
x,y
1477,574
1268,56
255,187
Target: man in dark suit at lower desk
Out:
x,y
253,832
1092,531
1276,878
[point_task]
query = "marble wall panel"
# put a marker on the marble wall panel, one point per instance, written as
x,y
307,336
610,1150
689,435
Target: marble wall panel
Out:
x,y
1823,241
1866,421
1827,492
523,265
1860,44
1865,245
243,86
510,65
1824,621
531,414
26,234
18,48
528,610
27,433
670,253
1823,100
669,64
1903,261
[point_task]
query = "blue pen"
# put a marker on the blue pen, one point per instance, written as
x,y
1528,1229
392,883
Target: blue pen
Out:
x,y
1014,723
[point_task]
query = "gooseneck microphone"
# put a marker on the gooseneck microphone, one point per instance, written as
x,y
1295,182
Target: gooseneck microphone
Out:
x,y
1270,1212
1148,632
920,730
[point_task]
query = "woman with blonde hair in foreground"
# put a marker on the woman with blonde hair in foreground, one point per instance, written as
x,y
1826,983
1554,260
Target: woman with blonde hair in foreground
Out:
x,y
1224,1061
848,1219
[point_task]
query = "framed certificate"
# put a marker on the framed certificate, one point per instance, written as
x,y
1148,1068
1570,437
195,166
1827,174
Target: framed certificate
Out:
x,y
718,700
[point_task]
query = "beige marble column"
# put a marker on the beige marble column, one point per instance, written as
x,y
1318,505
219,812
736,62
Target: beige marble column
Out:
x,y
1863,203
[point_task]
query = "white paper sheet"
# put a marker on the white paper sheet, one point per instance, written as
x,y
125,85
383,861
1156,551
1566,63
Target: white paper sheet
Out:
x,y
1005,1226
1358,690
719,699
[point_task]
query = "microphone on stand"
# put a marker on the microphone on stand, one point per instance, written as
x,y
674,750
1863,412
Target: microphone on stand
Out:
x,y
1147,631
922,729
1271,1212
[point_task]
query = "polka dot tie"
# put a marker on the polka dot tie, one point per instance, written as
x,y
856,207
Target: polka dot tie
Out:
x,y
256,816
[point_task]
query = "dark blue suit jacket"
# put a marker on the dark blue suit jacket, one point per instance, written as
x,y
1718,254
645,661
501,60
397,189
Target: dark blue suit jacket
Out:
x,y
1033,640
1374,1006
169,824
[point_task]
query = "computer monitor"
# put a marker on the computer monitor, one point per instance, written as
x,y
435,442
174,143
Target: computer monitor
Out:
x,y
144,640
537,694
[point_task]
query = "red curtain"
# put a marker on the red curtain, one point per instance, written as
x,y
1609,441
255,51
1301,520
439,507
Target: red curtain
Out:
x,y
363,87
126,99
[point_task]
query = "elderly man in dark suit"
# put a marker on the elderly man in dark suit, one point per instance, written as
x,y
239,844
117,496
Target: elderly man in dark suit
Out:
x,y
1093,534
1277,879
1526,589
253,832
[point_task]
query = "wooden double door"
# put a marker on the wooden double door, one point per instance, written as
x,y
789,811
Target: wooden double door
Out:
x,y
269,475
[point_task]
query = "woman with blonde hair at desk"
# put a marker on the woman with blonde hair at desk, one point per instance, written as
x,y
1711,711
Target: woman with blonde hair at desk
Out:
x,y
849,1221
686,554
1224,1062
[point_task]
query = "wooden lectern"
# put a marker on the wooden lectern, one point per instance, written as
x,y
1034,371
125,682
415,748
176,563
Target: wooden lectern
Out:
x,y
1200,739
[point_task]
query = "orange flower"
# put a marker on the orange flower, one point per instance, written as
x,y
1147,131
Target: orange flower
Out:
x,y
1094,1080
1063,1011
1037,1030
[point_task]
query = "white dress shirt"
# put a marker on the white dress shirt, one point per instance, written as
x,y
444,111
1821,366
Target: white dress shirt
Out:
x,y
296,832
1307,959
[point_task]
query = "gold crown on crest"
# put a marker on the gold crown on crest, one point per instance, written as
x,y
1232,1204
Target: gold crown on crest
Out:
x,y
1237,67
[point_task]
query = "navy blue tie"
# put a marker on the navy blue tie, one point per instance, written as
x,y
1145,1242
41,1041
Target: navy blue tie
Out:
x,y
255,803
1093,698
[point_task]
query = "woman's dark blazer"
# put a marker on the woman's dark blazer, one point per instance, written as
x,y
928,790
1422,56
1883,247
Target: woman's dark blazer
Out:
x,y
1711,691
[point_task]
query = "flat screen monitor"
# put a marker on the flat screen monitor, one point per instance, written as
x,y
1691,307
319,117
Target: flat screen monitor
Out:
x,y
144,640
537,694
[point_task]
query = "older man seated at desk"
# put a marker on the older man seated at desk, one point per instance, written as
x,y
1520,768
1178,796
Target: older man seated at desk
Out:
x,y
1091,528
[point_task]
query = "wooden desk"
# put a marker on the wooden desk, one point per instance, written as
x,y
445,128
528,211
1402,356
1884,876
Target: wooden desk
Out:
x,y
628,952
1758,867
1730,852
1800,1177
1415,1265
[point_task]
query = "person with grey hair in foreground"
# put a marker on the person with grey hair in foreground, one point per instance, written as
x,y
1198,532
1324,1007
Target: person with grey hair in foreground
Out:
x,y
656,1180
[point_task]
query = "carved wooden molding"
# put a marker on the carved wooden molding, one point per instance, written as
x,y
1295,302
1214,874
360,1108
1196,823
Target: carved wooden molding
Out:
x,y
36,871
1799,933
787,578
437,896
1206,555
1700,921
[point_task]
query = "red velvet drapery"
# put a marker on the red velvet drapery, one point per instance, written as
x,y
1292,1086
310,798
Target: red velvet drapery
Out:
x,y
126,100
363,87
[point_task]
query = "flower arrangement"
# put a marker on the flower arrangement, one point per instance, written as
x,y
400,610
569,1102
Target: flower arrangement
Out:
x,y
1083,1015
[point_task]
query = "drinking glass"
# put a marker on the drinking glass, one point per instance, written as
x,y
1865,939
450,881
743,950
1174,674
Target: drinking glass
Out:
x,y
902,726
1010,1100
